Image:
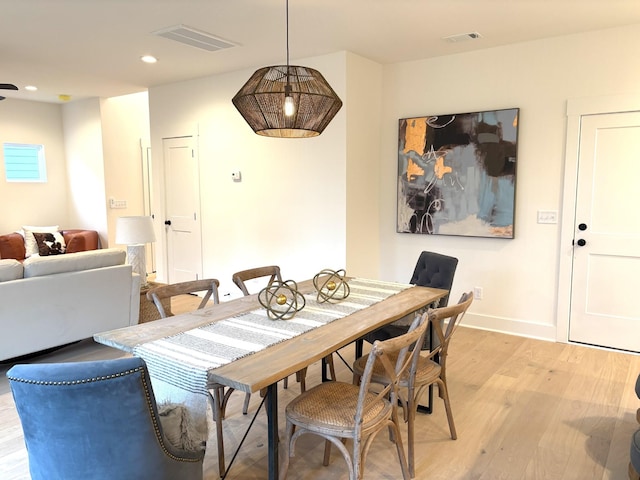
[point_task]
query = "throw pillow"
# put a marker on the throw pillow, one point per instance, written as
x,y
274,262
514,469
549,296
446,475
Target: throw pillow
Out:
x,y
179,428
49,243
30,244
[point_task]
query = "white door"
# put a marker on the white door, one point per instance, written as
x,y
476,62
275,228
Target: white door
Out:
x,y
606,253
182,219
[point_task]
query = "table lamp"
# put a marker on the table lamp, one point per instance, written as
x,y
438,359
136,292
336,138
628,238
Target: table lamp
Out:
x,y
135,232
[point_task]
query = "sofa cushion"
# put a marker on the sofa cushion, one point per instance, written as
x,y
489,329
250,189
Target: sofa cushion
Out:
x,y
73,262
12,246
30,244
50,243
10,269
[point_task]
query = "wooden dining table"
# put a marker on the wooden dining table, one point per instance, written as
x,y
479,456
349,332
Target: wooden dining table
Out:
x,y
263,369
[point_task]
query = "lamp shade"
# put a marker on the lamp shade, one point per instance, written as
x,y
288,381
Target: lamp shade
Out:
x,y
261,102
134,230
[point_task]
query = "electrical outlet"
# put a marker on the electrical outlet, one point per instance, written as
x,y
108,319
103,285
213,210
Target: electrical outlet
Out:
x,y
477,293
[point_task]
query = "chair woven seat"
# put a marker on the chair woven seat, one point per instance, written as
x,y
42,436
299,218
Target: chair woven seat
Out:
x,y
332,407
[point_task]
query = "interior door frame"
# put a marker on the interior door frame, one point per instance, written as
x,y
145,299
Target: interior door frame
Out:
x,y
576,108
158,199
165,234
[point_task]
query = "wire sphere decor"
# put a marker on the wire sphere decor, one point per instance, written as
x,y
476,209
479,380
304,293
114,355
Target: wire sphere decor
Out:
x,y
281,300
331,285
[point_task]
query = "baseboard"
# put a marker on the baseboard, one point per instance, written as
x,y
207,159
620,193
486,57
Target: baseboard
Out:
x,y
511,326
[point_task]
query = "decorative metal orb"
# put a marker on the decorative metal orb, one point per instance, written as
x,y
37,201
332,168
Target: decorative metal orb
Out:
x,y
281,300
331,285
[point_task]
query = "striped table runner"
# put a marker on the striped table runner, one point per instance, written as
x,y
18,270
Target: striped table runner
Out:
x,y
184,360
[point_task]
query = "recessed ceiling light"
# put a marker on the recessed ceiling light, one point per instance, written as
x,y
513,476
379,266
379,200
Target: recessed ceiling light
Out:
x,y
31,88
148,59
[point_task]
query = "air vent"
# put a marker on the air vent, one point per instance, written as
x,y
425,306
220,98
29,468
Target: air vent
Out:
x,y
195,38
462,37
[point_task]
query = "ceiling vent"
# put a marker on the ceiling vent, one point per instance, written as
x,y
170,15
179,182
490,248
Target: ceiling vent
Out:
x,y
462,37
195,38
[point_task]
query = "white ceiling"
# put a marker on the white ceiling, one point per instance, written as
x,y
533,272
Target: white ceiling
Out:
x,y
89,48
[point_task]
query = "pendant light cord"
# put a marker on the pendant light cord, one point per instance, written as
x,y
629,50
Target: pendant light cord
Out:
x,y
287,19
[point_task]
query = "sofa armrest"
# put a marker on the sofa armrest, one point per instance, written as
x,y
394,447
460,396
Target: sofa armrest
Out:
x,y
80,240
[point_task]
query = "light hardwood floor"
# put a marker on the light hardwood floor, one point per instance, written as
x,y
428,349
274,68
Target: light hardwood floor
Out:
x,y
524,409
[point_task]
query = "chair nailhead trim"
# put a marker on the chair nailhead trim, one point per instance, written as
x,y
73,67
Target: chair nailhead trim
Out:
x,y
76,382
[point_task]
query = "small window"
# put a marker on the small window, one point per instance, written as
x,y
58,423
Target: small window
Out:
x,y
24,163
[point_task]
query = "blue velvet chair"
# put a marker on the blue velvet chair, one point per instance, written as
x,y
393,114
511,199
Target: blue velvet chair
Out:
x,y
99,420
634,461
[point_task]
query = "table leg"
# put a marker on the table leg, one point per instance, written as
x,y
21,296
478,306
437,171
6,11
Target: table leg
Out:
x,y
359,347
272,429
218,395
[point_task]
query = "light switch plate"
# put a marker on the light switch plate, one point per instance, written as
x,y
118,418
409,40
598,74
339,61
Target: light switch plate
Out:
x,y
547,216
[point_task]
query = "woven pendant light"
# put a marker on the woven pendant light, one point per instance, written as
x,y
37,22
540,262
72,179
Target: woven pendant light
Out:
x,y
287,101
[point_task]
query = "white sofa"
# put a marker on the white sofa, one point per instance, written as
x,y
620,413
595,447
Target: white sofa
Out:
x,y
50,301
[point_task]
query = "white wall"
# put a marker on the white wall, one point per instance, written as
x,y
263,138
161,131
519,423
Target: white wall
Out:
x,y
289,207
125,127
363,109
34,203
519,276
85,166
103,150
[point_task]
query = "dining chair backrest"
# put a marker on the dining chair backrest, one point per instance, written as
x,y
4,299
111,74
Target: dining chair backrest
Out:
x,y
435,270
207,285
399,357
240,278
445,321
100,420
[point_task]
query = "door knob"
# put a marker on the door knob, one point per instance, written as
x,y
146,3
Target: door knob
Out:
x,y
581,242
582,227
167,222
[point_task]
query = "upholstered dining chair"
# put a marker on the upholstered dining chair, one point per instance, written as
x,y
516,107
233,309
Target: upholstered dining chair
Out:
x,y
338,411
431,369
433,270
273,272
100,420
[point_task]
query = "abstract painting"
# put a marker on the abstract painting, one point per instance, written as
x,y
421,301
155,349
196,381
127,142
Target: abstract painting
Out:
x,y
457,174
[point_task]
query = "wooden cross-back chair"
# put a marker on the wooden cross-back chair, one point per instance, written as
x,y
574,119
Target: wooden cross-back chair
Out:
x,y
338,411
430,369
239,278
162,292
